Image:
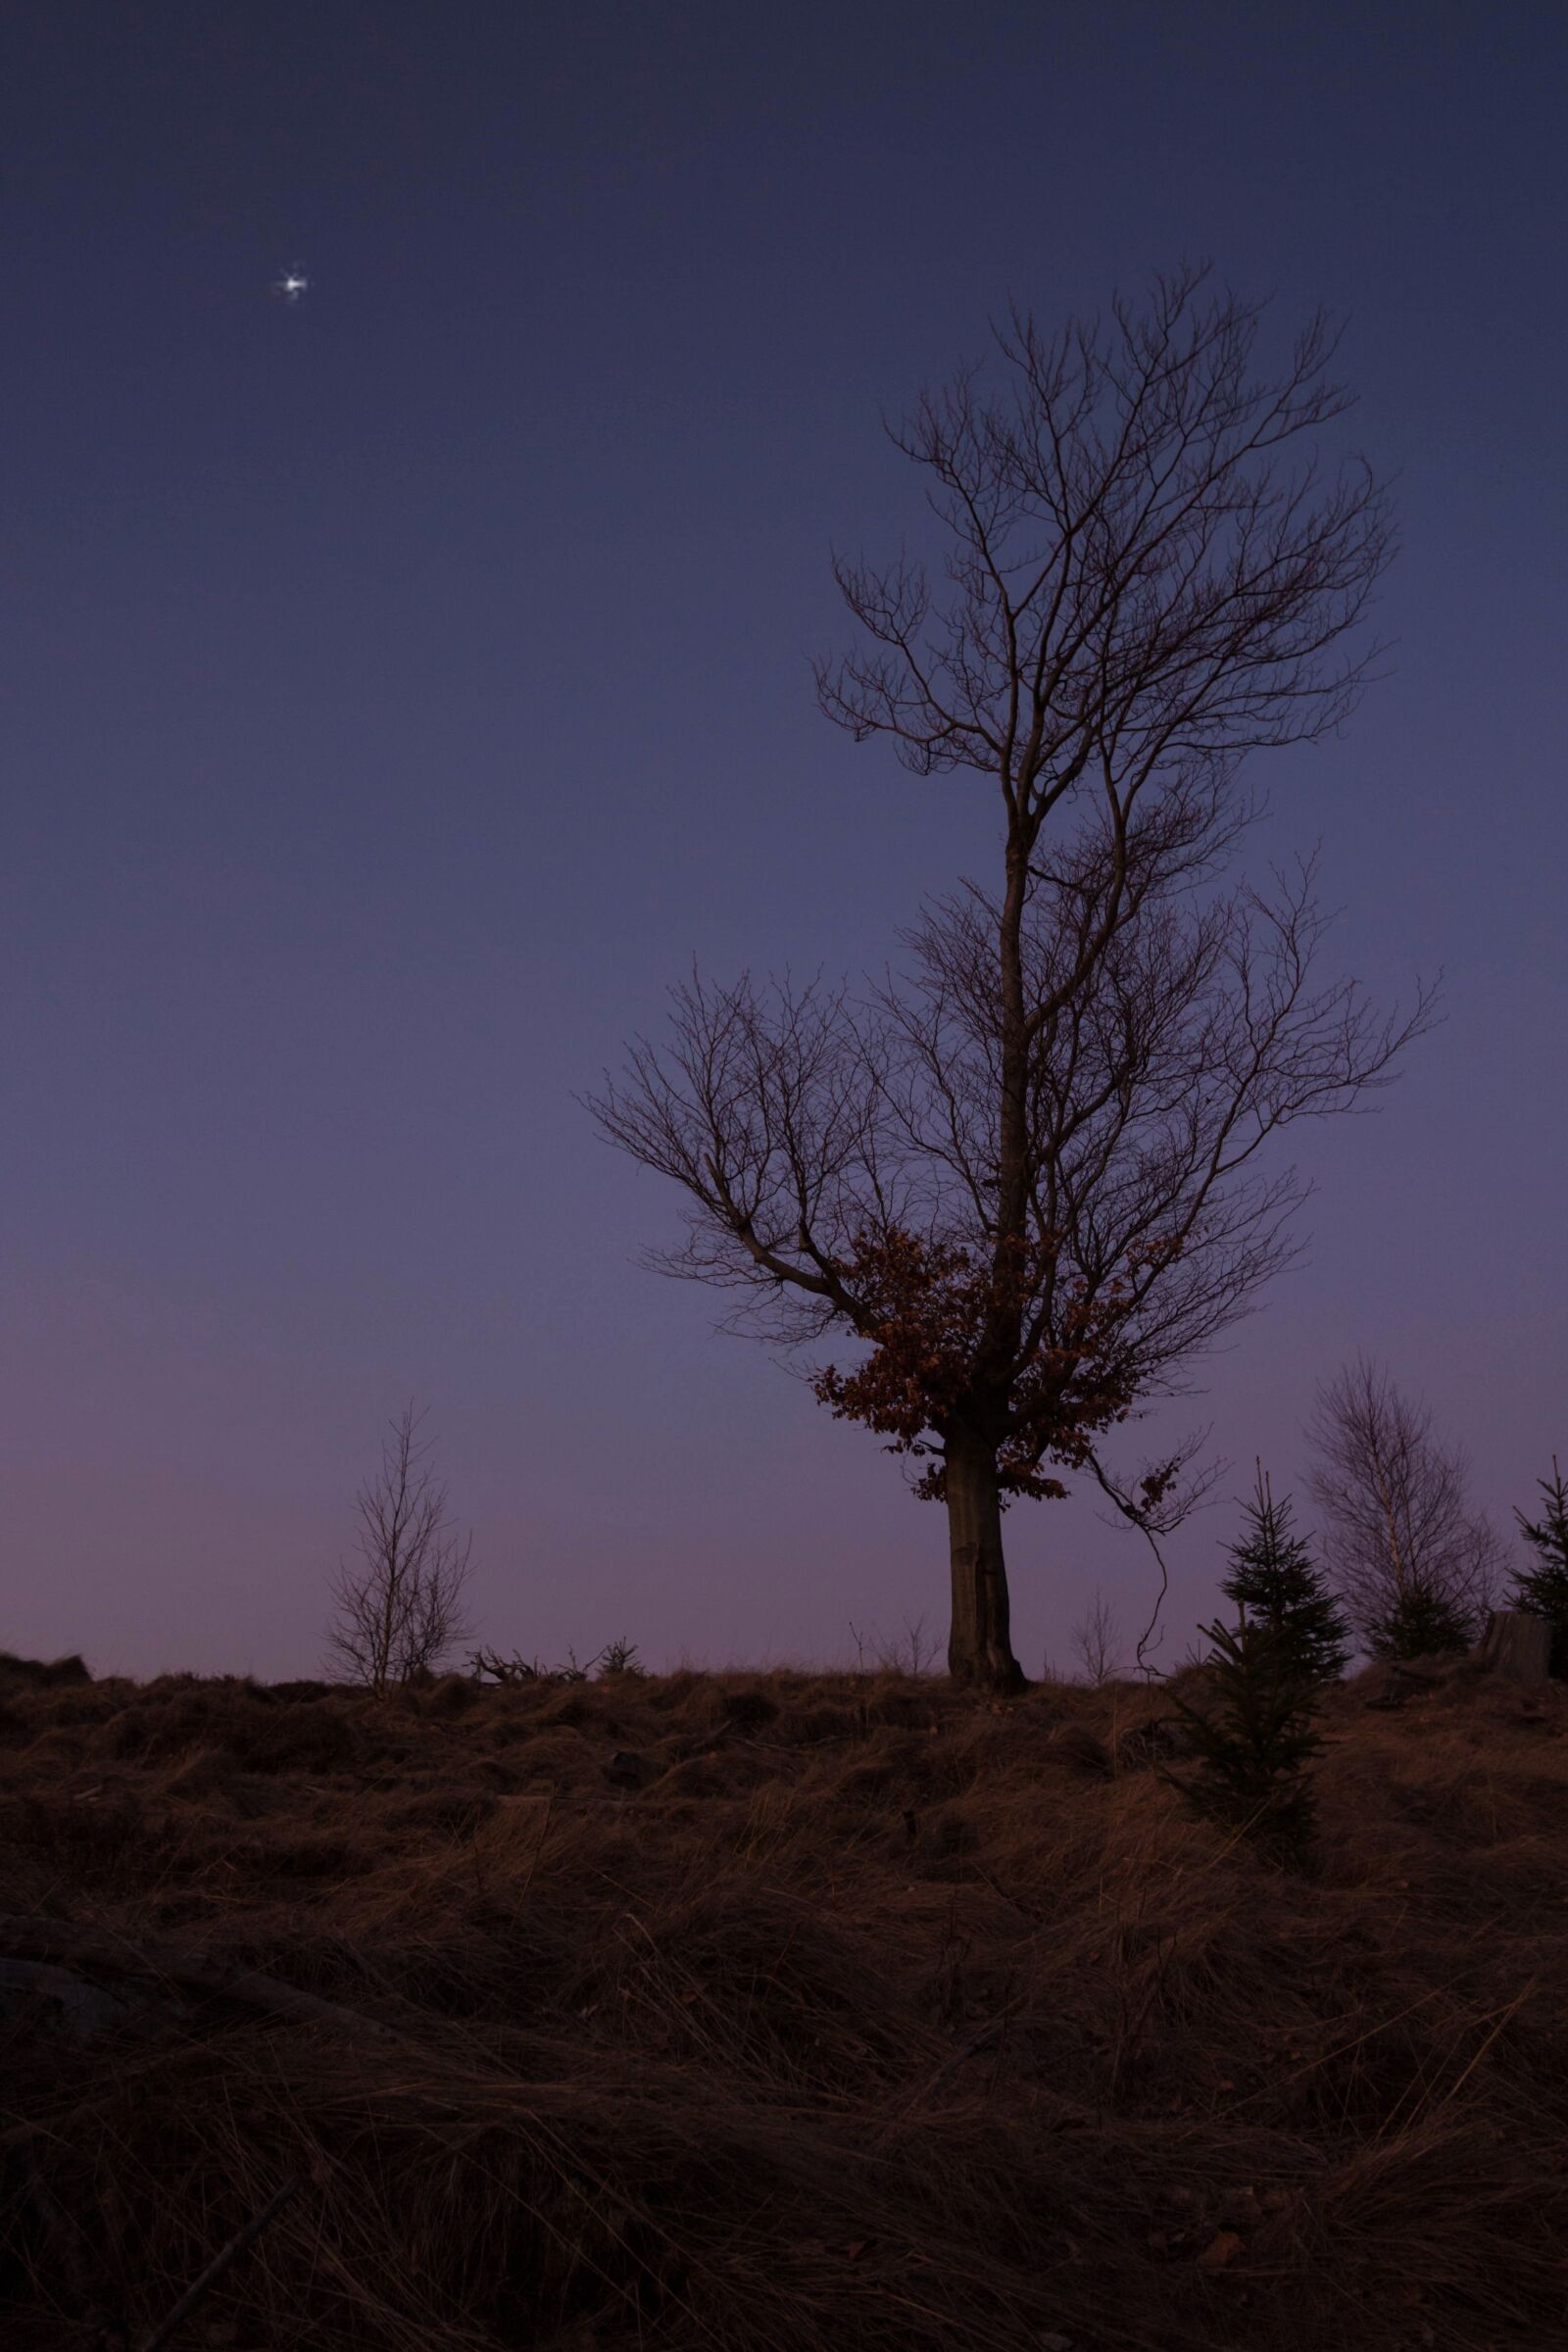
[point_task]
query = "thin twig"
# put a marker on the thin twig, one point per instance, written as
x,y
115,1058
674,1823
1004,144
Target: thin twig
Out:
x,y
64,2235
934,2082
1138,1519
533,1858
197,2292
1503,2016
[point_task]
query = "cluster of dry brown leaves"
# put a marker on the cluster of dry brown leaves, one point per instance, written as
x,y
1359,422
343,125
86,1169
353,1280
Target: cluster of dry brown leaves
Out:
x,y
752,2012
926,1307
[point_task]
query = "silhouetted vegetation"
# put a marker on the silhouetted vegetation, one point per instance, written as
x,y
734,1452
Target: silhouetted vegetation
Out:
x,y
1254,1737
617,1658
1415,1566
1274,1579
1543,1586
1097,1639
1033,1180
397,1606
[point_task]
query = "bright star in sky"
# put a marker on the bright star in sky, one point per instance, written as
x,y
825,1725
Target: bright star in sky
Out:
x,y
291,285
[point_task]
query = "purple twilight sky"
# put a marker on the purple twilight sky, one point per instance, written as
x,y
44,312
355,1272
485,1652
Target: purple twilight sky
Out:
x,y
402,686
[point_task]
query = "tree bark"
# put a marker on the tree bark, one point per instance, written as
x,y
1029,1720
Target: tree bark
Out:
x,y
979,1643
1516,1646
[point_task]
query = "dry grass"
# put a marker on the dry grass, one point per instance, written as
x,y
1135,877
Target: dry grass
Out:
x,y
848,2013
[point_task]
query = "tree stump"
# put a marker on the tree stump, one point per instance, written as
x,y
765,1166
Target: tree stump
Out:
x,y
1516,1646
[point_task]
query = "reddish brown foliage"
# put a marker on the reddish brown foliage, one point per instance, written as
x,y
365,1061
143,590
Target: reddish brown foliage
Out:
x,y
929,1308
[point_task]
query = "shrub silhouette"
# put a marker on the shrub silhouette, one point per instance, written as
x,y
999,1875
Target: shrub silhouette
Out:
x,y
1254,1744
1421,1622
1273,1574
1543,1589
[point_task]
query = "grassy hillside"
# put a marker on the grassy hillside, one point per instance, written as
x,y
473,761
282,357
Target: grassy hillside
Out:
x,y
786,2011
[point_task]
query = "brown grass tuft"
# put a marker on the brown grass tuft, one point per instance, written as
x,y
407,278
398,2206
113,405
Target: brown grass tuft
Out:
x,y
775,2013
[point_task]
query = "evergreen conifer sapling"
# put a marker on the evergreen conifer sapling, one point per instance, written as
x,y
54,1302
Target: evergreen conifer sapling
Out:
x,y
1274,1579
1255,1741
1420,1622
1542,1588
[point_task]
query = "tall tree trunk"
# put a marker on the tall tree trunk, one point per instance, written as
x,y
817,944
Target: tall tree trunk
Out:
x,y
980,1642
995,1363
1516,1646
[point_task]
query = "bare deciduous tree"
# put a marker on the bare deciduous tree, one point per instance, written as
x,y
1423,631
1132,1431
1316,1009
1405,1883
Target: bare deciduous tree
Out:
x,y
1097,1639
397,1604
1027,1181
1415,1567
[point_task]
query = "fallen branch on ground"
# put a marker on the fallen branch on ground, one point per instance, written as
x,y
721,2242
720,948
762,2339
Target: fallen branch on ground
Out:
x,y
199,2287
24,1938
